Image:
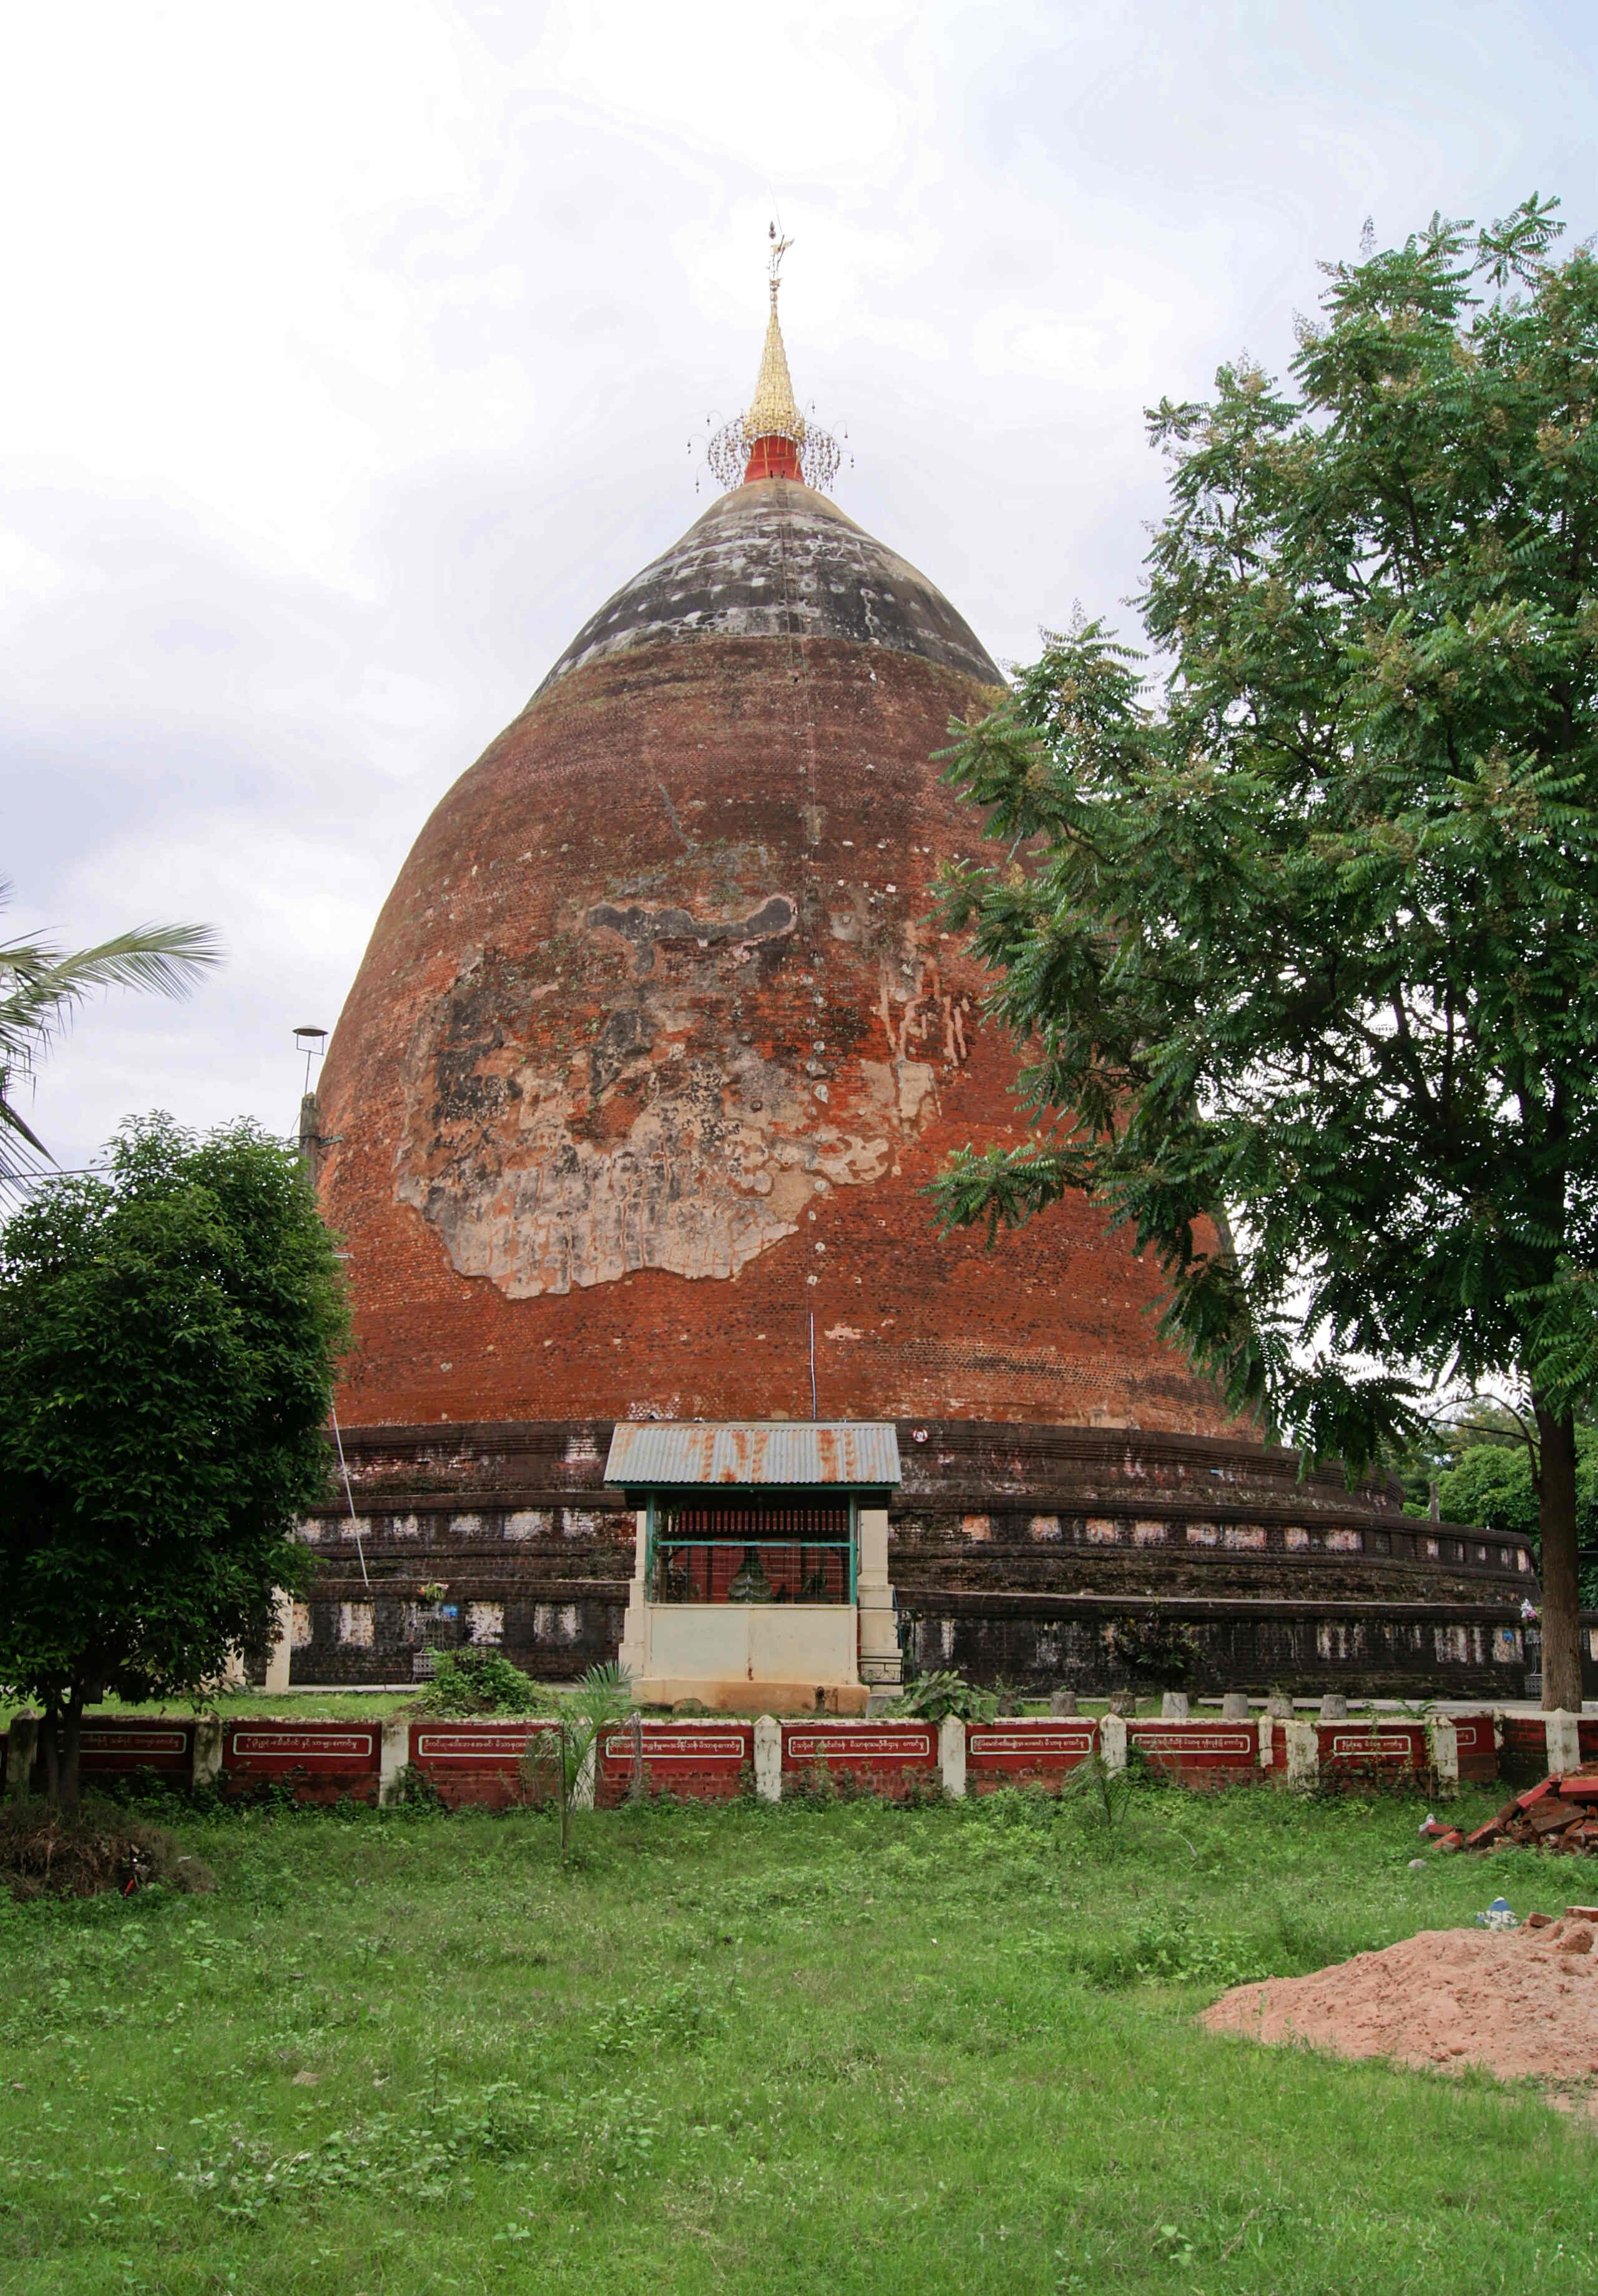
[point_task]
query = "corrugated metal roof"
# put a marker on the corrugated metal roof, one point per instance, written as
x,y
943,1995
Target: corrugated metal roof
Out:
x,y
781,1454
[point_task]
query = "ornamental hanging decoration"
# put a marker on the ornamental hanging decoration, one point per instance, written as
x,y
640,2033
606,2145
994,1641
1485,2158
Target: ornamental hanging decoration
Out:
x,y
773,439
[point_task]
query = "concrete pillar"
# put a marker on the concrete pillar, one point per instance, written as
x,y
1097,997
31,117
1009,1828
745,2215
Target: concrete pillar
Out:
x,y
768,1757
206,1751
1562,1732
951,1755
1278,1706
21,1751
1304,1753
1064,1701
1444,1750
1268,1726
1112,1741
392,1755
1173,1707
1123,1702
1234,1706
879,1659
633,1658
1334,1707
279,1654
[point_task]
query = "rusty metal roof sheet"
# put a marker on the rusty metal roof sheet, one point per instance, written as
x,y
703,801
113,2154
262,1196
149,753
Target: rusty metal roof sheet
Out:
x,y
782,1454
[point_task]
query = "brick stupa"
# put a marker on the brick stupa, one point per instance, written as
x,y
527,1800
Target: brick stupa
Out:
x,y
656,1045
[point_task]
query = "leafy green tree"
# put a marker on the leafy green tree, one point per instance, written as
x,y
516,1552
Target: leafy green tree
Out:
x,y
1494,1483
41,985
1305,942
166,1343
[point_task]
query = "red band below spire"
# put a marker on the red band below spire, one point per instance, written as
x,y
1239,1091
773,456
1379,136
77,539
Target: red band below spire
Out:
x,y
773,457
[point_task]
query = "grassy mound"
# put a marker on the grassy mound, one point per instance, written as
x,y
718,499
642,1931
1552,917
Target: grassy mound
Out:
x,y
44,1854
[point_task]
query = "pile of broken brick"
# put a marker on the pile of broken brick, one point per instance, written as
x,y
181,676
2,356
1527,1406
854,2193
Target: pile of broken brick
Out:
x,y
1559,1813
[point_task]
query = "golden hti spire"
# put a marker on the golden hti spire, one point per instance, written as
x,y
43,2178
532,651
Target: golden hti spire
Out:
x,y
773,439
772,413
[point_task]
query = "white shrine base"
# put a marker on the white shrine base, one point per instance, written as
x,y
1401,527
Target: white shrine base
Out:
x,y
745,1657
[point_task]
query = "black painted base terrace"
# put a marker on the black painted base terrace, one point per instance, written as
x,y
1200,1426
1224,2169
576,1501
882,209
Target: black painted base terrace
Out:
x,y
1012,1549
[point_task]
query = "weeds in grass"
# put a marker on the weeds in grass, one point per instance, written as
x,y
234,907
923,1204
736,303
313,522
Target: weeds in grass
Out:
x,y
756,2047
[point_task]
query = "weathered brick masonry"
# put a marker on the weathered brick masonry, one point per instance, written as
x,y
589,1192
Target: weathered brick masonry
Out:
x,y
1011,1548
657,1043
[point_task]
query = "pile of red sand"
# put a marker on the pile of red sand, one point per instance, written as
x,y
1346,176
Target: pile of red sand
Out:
x,y
1522,2003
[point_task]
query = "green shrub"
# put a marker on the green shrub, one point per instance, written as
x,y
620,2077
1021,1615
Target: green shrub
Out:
x,y
933,1697
483,1682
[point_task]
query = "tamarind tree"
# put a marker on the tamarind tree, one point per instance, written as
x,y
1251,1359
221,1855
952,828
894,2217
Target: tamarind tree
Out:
x,y
1303,934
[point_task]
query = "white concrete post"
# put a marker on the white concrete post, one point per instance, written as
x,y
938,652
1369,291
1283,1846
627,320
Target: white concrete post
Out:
x,y
634,1655
1562,1732
279,1656
879,1659
206,1766
1304,1753
1268,1725
393,1756
1444,1750
768,1757
951,1755
1175,1707
21,1749
1112,1741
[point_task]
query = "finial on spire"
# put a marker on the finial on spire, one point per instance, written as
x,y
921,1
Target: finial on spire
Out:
x,y
773,440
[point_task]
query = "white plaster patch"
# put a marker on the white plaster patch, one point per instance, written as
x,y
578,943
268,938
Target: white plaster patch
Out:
x,y
358,1624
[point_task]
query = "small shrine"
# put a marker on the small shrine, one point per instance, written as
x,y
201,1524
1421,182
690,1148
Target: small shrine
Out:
x,y
760,1571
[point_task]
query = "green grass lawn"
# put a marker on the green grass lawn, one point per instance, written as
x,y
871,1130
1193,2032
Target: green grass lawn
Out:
x,y
794,2050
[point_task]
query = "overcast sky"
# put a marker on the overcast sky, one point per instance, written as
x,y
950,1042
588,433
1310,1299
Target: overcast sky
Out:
x,y
353,347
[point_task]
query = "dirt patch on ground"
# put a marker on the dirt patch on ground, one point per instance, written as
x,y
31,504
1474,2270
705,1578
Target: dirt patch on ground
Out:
x,y
1522,2003
44,1855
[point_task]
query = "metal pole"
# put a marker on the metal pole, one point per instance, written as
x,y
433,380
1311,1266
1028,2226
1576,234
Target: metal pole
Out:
x,y
350,1497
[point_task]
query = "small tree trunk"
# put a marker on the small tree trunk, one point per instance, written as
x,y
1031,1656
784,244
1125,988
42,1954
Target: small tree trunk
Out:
x,y
71,1749
1556,1522
50,1746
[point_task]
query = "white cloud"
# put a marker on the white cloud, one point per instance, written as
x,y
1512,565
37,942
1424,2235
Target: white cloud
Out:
x,y
353,354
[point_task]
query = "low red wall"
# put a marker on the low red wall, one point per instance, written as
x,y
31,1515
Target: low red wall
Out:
x,y
1025,1752
320,1761
1477,1748
1222,1752
478,1763
472,1763
703,1761
1525,1739
119,1748
891,1758
1350,1748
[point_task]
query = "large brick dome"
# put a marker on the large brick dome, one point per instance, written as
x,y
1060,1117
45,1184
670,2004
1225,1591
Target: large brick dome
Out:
x,y
657,1040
